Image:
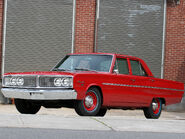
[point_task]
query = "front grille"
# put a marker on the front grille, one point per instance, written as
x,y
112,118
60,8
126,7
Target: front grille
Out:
x,y
46,81
29,81
35,81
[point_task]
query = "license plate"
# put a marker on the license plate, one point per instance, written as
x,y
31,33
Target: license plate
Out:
x,y
36,95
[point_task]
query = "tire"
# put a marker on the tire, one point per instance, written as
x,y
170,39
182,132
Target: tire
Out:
x,y
154,111
102,112
90,105
26,107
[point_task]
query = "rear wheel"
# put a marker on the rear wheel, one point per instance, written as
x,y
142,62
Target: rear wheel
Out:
x,y
26,107
154,111
90,105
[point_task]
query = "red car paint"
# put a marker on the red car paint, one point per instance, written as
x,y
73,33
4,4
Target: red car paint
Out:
x,y
119,90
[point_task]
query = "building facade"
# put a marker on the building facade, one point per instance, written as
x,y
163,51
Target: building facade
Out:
x,y
174,68
174,35
36,34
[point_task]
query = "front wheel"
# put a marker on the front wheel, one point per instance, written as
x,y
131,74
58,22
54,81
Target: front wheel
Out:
x,y
102,112
26,107
90,105
154,111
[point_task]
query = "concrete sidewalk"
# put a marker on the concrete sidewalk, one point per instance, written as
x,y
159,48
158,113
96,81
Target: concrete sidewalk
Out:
x,y
115,120
10,109
108,123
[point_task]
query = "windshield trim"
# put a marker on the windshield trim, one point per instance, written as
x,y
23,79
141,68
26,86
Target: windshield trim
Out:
x,y
86,54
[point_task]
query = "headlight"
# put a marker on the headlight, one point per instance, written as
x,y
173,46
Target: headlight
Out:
x,y
14,81
7,81
20,81
63,82
66,82
57,81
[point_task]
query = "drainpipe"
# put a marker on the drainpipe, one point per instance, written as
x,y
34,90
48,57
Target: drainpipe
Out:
x,y
163,41
96,25
2,98
73,26
4,38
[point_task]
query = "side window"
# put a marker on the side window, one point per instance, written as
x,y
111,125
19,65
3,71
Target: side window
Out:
x,y
122,66
137,68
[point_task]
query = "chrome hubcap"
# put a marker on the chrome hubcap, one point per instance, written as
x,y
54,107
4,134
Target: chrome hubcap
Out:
x,y
154,106
88,101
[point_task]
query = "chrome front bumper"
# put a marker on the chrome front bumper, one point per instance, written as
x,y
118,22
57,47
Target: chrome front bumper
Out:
x,y
39,94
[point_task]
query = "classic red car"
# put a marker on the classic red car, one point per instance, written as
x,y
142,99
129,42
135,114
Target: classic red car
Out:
x,y
92,83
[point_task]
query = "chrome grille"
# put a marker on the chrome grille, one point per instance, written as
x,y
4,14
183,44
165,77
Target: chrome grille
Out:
x,y
46,81
29,81
35,81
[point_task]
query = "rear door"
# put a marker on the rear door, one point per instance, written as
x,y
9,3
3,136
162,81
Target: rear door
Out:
x,y
140,90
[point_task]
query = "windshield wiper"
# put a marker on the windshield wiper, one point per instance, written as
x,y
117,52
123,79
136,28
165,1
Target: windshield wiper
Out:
x,y
84,69
56,69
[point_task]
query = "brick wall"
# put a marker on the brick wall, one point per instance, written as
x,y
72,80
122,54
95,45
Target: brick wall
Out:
x,y
1,29
175,35
85,25
175,42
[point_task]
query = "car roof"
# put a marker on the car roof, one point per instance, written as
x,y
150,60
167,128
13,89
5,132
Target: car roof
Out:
x,y
113,54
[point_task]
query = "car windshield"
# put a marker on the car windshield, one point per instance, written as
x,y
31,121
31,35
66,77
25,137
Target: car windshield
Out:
x,y
101,63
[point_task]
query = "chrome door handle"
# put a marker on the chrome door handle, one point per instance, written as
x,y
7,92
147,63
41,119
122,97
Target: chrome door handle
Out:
x,y
133,80
152,80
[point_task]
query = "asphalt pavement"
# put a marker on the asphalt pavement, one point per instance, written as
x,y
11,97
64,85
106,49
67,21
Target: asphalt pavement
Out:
x,y
37,133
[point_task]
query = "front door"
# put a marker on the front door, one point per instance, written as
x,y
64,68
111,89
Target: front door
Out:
x,y
120,83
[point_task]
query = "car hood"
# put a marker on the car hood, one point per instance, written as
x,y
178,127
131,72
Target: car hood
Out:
x,y
41,73
52,73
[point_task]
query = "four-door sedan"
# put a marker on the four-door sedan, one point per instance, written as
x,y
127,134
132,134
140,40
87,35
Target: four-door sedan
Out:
x,y
92,83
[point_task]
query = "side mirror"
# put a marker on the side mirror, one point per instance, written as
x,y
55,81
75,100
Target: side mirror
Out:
x,y
115,71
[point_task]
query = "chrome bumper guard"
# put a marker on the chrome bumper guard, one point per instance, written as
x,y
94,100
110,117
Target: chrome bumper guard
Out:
x,y
39,94
183,98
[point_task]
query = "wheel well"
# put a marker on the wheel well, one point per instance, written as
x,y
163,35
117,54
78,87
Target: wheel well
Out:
x,y
163,101
99,88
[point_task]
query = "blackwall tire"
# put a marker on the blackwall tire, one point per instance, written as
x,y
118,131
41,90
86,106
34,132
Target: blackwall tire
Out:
x,y
101,112
26,107
154,111
90,105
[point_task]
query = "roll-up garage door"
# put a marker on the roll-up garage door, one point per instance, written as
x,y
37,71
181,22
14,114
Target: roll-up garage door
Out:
x,y
38,34
132,27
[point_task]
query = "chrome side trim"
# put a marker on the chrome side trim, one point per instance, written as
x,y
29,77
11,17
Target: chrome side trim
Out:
x,y
39,94
139,86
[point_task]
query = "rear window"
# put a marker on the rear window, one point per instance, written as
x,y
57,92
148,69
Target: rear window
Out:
x,y
137,68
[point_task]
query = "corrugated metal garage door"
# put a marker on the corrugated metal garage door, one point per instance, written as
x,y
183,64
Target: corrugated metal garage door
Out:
x,y
38,33
132,27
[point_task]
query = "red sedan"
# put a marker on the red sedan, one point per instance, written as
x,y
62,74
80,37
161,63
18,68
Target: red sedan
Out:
x,y
92,83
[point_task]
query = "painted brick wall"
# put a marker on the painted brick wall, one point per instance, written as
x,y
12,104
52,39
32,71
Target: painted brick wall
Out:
x,y
175,42
85,25
1,29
